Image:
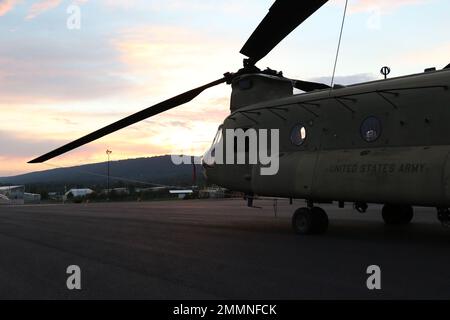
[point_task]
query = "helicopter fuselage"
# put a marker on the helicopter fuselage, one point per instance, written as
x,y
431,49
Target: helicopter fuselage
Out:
x,y
379,142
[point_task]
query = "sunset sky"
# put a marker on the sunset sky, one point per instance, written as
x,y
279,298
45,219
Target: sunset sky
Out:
x,y
58,84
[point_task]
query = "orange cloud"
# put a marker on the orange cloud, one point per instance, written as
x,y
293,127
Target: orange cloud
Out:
x,y
42,6
236,7
155,63
165,61
163,52
7,5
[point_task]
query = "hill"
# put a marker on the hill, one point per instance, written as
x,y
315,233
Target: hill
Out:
x,y
140,171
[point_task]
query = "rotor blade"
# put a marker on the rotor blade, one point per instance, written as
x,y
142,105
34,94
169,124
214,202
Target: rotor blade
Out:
x,y
139,116
308,86
283,17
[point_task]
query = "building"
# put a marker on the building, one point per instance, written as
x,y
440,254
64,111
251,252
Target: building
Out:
x,y
181,193
17,195
152,189
77,193
12,194
31,197
117,191
214,193
4,199
55,196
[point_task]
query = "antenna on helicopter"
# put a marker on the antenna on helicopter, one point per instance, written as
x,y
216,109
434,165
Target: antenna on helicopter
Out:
x,y
339,44
385,71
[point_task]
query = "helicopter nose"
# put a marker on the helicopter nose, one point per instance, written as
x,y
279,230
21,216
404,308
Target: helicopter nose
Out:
x,y
208,159
209,169
207,164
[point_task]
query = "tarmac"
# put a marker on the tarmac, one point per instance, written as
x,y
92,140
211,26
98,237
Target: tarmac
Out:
x,y
216,249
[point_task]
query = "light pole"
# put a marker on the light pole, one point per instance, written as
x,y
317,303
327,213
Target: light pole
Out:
x,y
108,153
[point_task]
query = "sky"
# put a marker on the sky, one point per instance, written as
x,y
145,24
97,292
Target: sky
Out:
x,y
59,82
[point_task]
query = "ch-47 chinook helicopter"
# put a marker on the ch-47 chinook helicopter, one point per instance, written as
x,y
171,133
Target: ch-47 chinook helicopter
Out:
x,y
384,142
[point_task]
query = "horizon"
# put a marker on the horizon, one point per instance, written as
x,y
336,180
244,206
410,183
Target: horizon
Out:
x,y
85,164
58,84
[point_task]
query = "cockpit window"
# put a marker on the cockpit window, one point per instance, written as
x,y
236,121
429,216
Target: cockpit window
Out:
x,y
210,156
218,135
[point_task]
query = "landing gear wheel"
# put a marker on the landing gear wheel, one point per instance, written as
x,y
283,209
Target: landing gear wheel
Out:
x,y
444,216
397,214
310,221
320,220
302,221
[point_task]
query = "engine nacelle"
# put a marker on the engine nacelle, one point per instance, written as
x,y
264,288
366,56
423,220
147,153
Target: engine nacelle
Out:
x,y
254,88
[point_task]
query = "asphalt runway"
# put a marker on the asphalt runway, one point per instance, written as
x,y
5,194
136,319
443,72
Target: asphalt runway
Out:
x,y
216,249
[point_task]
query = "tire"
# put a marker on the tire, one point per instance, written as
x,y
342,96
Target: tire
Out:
x,y
408,214
302,221
397,215
320,220
307,221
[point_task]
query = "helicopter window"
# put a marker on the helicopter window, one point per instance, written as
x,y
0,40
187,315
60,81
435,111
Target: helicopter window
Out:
x,y
298,135
210,156
218,136
371,129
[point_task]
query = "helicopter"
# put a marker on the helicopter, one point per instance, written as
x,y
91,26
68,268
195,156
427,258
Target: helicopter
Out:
x,y
380,142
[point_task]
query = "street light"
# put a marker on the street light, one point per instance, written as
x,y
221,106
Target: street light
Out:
x,y
108,153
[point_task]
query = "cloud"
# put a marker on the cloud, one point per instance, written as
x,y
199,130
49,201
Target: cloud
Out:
x,y
186,6
437,56
15,144
42,70
230,6
165,49
382,6
164,60
347,79
77,87
41,7
120,4
16,149
7,5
